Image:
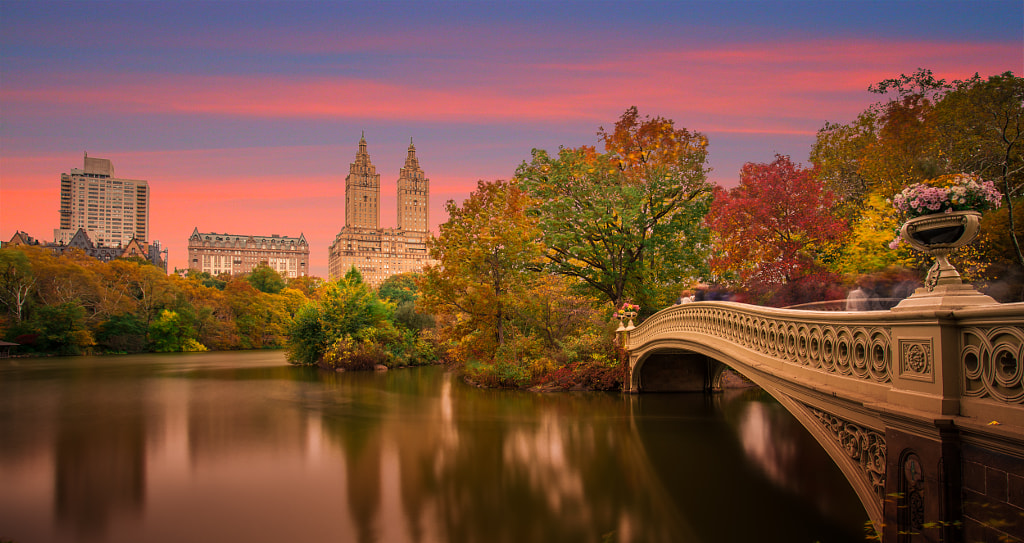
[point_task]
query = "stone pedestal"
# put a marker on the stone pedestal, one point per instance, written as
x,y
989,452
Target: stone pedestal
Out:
x,y
942,297
939,235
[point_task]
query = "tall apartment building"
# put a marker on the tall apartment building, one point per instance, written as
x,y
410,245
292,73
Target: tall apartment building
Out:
x,y
112,210
379,253
227,253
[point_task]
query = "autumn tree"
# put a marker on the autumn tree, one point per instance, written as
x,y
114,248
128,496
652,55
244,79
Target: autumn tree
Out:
x,y
924,128
839,153
773,228
980,125
69,278
888,146
212,315
72,302
561,317
16,282
906,150
869,245
306,284
626,219
483,253
261,319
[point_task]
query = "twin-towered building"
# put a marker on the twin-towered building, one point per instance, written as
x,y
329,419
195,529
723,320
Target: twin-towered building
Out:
x,y
376,252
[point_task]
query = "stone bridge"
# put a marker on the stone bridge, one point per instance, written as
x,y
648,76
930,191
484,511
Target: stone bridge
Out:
x,y
921,406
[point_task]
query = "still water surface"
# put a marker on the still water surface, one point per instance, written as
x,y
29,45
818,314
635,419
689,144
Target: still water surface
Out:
x,y
222,447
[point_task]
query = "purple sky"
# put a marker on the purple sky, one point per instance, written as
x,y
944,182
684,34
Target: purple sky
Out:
x,y
244,116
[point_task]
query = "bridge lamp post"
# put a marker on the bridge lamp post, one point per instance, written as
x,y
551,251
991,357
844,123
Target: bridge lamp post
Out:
x,y
628,313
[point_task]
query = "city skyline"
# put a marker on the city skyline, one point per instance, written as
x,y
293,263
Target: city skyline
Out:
x,y
242,116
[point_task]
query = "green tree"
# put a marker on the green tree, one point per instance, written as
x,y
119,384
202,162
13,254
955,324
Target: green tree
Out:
x,y
348,306
170,333
630,217
307,340
350,328
207,280
62,329
265,279
399,288
402,290
122,333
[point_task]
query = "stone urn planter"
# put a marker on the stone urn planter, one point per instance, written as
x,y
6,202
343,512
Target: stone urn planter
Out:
x,y
938,235
945,214
628,312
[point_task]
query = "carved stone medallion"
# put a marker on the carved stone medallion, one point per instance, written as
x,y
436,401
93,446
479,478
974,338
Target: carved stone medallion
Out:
x,y
916,359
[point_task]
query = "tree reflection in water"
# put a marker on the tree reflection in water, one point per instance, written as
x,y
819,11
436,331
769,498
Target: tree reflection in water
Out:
x,y
240,446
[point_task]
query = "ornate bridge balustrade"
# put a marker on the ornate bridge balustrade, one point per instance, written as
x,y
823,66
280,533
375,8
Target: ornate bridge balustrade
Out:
x,y
908,402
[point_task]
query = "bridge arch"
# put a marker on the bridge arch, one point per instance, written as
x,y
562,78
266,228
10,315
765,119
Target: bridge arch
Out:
x,y
886,393
853,440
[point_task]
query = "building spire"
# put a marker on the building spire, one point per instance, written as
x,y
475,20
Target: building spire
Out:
x,y
411,162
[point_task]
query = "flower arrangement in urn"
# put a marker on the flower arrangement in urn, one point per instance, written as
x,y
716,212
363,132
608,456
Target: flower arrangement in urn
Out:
x,y
946,194
628,311
942,215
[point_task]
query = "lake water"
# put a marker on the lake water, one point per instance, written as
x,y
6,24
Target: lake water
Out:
x,y
241,447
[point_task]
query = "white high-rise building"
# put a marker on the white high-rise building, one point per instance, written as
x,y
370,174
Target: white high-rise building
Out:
x,y
112,210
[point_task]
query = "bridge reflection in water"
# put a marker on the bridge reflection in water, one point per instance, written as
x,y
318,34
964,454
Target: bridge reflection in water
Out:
x,y
921,406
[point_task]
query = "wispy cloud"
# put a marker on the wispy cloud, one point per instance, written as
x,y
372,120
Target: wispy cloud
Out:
x,y
248,122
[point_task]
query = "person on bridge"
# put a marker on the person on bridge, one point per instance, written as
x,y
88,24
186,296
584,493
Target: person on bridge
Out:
x,y
859,299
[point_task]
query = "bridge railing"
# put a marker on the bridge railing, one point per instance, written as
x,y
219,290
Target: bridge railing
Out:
x,y
974,354
852,344
991,357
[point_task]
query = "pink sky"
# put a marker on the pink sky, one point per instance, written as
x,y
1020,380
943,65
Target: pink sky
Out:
x,y
254,136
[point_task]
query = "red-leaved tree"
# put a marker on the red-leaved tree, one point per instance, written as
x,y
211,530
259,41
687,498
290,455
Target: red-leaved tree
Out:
x,y
775,229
